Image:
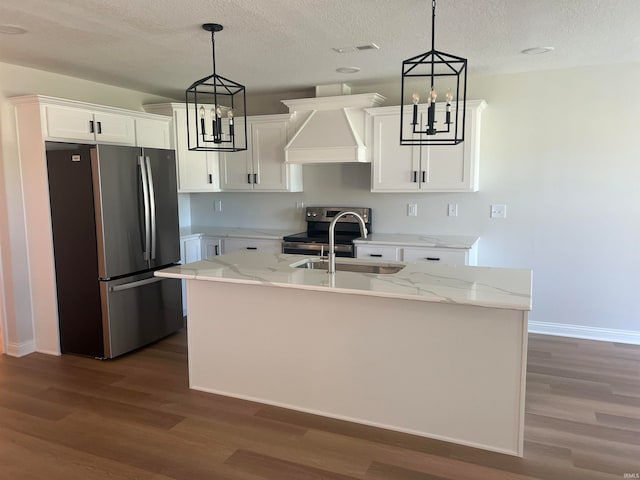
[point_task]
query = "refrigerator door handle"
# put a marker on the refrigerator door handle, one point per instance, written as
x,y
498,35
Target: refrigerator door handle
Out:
x,y
152,208
145,195
139,283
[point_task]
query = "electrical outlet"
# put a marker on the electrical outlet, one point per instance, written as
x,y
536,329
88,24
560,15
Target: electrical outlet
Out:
x,y
498,211
218,206
452,210
412,209
299,206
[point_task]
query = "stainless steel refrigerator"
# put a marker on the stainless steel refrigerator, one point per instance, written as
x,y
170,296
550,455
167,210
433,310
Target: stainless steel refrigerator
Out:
x,y
114,213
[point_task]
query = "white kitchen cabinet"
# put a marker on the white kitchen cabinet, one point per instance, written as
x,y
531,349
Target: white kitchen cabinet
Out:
x,y
234,244
70,123
451,256
153,132
211,247
262,166
197,171
378,252
442,168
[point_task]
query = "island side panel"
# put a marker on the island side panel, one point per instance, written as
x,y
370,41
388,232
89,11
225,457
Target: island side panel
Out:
x,y
451,372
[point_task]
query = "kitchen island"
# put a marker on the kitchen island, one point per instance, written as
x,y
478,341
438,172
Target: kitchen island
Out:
x,y
432,350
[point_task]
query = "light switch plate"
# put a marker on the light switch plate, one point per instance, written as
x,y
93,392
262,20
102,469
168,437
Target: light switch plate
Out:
x,y
412,209
452,210
217,206
498,211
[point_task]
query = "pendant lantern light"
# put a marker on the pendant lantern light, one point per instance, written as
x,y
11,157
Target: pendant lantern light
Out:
x,y
428,76
214,106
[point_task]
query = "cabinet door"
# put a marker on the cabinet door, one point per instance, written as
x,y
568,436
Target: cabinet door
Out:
x,y
234,244
191,250
448,167
153,133
112,128
395,167
435,255
210,247
197,171
66,123
236,168
268,140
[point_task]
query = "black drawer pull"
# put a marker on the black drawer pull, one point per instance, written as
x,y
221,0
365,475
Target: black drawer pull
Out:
x,y
91,129
217,250
433,259
252,248
424,176
255,178
210,178
99,127
415,176
248,178
378,255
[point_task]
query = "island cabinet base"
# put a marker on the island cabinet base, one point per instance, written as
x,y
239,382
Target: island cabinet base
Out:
x,y
445,371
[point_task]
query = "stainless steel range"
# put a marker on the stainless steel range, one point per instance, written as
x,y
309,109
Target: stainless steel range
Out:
x,y
315,241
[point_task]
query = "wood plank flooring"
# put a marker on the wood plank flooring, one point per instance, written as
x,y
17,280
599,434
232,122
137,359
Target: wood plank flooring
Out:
x,y
134,417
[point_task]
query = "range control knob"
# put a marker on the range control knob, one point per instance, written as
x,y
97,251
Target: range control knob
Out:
x,y
308,214
315,214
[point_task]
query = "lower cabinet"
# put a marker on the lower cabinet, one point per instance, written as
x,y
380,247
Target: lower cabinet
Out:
x,y
234,244
451,256
194,248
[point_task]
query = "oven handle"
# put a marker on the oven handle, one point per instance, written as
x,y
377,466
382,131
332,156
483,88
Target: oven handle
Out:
x,y
319,247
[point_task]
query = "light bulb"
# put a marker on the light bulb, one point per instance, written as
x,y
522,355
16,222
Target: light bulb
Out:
x,y
202,112
434,95
230,113
212,113
416,98
219,111
449,96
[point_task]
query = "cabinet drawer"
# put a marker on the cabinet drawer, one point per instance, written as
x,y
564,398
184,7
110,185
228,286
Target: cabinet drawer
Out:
x,y
233,244
372,252
435,255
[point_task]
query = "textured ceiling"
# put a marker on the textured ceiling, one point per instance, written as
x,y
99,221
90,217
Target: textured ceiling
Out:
x,y
157,46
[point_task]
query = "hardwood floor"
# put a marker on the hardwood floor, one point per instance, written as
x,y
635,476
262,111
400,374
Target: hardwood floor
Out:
x,y
134,417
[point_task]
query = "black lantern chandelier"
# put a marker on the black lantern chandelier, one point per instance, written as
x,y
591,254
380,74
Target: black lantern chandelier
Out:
x,y
214,105
428,124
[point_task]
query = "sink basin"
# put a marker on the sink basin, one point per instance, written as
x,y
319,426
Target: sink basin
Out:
x,y
368,267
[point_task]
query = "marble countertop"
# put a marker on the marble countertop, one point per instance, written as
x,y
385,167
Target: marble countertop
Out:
x,y
453,284
264,233
435,241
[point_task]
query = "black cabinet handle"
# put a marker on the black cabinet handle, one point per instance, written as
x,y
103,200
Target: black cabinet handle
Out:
x,y
99,127
255,178
252,248
433,259
248,178
217,250
424,176
377,255
91,128
415,176
210,178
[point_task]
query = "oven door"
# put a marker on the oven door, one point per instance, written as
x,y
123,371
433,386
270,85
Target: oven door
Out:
x,y
318,249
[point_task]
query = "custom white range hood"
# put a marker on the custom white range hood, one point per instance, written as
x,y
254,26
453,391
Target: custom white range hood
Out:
x,y
330,129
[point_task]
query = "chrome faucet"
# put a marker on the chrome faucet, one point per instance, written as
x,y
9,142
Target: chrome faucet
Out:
x,y
332,238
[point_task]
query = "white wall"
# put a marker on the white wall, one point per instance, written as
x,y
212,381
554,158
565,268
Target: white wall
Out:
x,y
16,311
559,148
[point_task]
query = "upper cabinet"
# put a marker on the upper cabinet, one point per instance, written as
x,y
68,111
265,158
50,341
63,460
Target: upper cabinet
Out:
x,y
401,168
262,166
71,121
197,171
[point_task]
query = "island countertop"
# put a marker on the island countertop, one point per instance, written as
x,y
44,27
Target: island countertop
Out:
x,y
454,284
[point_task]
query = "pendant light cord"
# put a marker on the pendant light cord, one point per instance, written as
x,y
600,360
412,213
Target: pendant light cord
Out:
x,y
433,40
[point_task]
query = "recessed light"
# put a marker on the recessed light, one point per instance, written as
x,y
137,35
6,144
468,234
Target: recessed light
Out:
x,y
347,70
344,49
12,29
368,46
537,50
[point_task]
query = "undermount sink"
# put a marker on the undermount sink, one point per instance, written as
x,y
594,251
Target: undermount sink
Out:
x,y
368,267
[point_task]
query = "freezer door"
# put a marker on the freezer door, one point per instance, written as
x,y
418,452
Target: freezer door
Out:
x,y
122,210
138,310
165,230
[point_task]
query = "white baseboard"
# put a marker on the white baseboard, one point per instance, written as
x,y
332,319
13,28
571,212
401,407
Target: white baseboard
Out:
x,y
21,349
589,333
